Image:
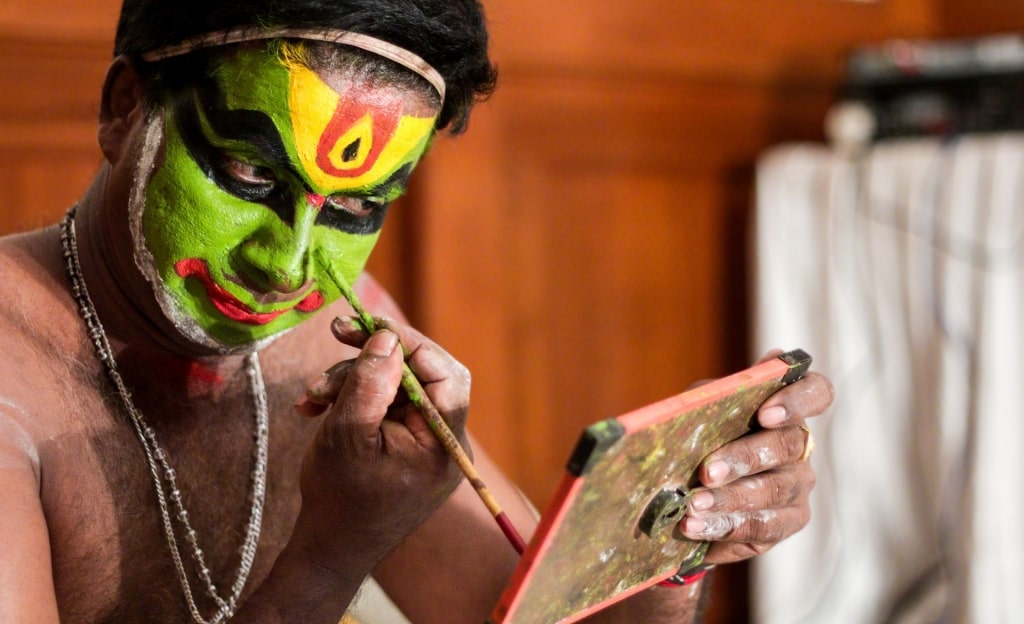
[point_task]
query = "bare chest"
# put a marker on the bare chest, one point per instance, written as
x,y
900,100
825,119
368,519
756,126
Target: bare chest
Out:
x,y
112,560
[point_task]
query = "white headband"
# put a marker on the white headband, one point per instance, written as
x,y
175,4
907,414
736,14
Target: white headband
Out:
x,y
379,47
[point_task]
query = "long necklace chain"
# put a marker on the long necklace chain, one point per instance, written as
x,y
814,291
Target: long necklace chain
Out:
x,y
157,460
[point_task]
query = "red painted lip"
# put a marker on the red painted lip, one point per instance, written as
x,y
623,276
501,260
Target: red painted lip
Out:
x,y
228,305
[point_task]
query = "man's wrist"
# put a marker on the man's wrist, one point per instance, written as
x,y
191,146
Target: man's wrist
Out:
x,y
691,576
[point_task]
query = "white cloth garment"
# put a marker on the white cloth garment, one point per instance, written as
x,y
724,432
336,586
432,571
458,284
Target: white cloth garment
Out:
x,y
902,273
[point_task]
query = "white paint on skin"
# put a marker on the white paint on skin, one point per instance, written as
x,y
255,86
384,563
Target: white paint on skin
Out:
x,y
754,485
766,456
741,469
717,527
12,431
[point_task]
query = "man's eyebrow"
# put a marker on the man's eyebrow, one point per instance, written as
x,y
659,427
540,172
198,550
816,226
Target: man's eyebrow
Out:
x,y
254,128
397,181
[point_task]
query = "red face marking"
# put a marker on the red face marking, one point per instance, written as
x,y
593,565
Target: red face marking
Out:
x,y
316,201
196,375
203,375
311,302
385,121
228,305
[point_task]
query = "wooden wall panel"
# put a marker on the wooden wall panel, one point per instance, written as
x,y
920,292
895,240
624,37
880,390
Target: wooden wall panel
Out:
x,y
981,17
611,209
59,20
53,55
603,108
31,197
748,41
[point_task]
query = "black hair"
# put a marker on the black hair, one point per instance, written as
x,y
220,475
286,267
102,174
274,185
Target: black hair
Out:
x,y
450,35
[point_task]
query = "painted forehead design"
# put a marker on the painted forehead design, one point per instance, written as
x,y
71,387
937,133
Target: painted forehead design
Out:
x,y
345,140
352,138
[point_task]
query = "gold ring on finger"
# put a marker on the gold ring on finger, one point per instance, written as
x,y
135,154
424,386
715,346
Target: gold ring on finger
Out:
x,y
808,443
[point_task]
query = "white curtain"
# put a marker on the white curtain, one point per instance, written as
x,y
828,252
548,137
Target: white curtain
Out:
x,y
901,271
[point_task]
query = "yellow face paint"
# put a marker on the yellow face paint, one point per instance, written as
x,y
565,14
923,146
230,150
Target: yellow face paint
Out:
x,y
350,141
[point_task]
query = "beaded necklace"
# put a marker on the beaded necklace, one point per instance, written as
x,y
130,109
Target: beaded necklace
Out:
x,y
156,457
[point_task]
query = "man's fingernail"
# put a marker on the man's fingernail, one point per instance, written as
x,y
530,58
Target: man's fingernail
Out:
x,y
693,526
317,385
382,343
772,416
717,471
345,325
702,501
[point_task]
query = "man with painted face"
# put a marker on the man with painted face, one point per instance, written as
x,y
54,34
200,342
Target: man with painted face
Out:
x,y
164,455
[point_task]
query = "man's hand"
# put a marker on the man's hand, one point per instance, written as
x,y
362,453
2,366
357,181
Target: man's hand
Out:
x,y
376,471
757,488
756,494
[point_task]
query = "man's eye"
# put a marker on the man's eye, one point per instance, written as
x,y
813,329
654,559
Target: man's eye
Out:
x,y
355,215
358,207
248,173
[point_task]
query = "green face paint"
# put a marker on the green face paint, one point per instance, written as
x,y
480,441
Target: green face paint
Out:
x,y
260,168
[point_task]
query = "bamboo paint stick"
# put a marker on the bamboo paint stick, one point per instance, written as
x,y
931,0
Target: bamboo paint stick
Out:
x,y
418,396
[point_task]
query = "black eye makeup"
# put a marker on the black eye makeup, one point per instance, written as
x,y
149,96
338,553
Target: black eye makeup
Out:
x,y
364,214
246,158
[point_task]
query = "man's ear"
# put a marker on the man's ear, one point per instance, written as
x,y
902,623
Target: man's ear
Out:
x,y
121,106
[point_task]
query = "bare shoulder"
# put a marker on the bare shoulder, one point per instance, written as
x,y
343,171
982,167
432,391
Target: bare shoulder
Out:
x,y
33,278
37,321
40,333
